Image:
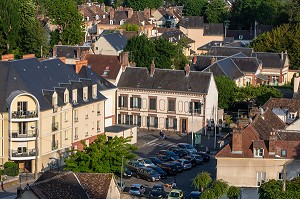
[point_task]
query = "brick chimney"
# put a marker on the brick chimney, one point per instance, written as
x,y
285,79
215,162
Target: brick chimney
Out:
x,y
147,13
129,13
194,59
63,59
80,64
152,68
28,56
111,13
272,142
187,70
124,60
296,83
237,140
102,7
8,57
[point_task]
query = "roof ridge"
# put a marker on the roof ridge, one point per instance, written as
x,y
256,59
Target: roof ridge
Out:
x,y
52,178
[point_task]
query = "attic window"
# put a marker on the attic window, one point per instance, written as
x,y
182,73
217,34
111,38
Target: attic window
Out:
x,y
74,96
94,91
291,116
66,98
54,100
111,22
283,153
258,152
85,93
240,36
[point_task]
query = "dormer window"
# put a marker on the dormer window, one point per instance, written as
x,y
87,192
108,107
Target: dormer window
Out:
x,y
283,153
66,97
85,93
94,91
74,96
111,22
258,152
291,116
54,99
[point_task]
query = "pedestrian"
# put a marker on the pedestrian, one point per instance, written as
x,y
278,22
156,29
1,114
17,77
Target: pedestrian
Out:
x,y
174,185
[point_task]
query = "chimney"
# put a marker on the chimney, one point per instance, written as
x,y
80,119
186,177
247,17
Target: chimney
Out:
x,y
281,55
28,56
152,68
129,13
272,142
187,70
80,64
147,13
124,60
212,60
8,57
194,59
54,53
237,140
102,7
63,59
111,14
296,82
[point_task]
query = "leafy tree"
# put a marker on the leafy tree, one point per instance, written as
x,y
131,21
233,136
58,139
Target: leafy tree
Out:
x,y
194,7
202,181
207,194
227,90
165,51
219,188
101,156
11,169
142,4
130,27
270,190
216,11
233,192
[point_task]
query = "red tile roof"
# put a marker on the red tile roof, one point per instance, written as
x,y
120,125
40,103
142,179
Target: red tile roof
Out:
x,y
293,105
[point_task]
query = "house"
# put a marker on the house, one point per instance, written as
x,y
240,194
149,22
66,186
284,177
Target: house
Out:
x,y
120,130
70,54
110,44
259,152
49,107
163,99
202,33
69,185
162,17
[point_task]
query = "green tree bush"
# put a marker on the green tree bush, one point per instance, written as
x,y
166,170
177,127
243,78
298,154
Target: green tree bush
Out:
x,y
219,188
227,90
216,11
142,4
11,169
202,181
233,192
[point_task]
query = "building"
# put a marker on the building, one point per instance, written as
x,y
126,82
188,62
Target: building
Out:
x,y
110,44
259,152
47,108
69,185
70,54
163,99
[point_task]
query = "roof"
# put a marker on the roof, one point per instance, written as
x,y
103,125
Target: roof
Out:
x,y
118,128
69,51
246,64
240,34
109,64
175,36
117,40
213,29
271,60
229,51
129,34
71,185
203,61
192,22
292,105
165,79
210,44
138,18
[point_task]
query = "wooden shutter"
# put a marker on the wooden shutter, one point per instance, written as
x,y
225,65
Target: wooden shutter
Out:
x,y
131,119
175,123
139,122
156,122
139,103
167,123
148,121
119,118
119,102
131,102
191,107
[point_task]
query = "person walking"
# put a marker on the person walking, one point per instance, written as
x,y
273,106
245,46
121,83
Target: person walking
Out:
x,y
174,185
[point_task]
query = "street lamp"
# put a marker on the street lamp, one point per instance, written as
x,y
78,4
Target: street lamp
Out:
x,y
122,172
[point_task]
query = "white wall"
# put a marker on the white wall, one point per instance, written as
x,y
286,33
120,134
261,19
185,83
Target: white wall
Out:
x,y
104,48
110,106
211,101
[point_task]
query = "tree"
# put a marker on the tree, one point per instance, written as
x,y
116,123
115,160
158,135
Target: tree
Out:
x,y
130,27
202,181
233,192
101,156
219,188
142,4
216,11
207,194
194,7
227,90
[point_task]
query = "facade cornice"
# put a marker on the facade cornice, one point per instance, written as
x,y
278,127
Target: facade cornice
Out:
x,y
163,92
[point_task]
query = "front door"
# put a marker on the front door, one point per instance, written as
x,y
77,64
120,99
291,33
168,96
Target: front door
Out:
x,y
183,125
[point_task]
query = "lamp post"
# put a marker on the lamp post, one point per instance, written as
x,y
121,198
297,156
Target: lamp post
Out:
x,y
122,172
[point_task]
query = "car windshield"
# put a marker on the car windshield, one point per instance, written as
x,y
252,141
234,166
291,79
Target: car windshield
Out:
x,y
156,189
138,164
147,161
189,147
174,194
134,189
152,172
158,169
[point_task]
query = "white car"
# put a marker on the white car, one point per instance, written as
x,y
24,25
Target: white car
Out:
x,y
187,147
146,162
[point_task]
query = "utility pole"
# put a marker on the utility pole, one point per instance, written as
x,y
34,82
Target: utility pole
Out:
x,y
284,177
215,118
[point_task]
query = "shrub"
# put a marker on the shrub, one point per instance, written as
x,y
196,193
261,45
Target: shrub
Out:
x,y
233,192
11,169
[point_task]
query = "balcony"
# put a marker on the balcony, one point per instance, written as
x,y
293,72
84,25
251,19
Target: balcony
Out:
x,y
23,155
24,114
54,126
24,135
55,145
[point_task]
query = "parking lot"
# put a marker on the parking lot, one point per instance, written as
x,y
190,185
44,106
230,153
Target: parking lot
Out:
x,y
149,144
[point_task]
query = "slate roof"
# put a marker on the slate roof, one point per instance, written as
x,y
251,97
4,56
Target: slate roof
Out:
x,y
293,105
192,22
129,34
69,185
229,51
108,63
271,60
246,64
240,34
203,61
210,44
165,79
118,128
117,40
213,29
69,51
41,78
175,36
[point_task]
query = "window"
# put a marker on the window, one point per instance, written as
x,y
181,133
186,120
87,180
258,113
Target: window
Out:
x,y
171,105
123,119
260,177
283,153
98,109
152,104
137,120
66,135
22,108
123,101
76,133
291,116
66,116
22,149
195,107
258,152
152,121
96,48
136,102
85,93
240,36
280,176
86,113
66,98
111,22
98,126
76,115
171,123
74,96
94,91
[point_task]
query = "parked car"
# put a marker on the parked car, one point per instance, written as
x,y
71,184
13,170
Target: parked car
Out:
x,y
157,191
148,174
155,160
185,163
178,165
169,168
205,156
171,154
146,162
204,149
121,185
178,151
126,172
134,165
194,195
198,158
187,147
175,194
161,172
137,190
192,160
164,158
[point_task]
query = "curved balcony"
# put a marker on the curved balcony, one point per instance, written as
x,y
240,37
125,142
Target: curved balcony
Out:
x,y
24,115
23,136
23,155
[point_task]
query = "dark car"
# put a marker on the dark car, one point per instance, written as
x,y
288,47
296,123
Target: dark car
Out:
x,y
157,191
164,158
204,149
194,195
155,160
171,154
192,160
179,151
161,172
148,174
205,156
178,165
198,158
169,168
134,165
126,172
137,190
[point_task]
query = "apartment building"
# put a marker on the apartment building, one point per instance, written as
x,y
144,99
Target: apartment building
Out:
x,y
47,108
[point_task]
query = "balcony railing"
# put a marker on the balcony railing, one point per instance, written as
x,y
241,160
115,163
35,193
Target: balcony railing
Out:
x,y
28,153
24,134
54,126
24,114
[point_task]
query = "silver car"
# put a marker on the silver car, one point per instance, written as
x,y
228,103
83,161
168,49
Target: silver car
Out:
x,y
185,163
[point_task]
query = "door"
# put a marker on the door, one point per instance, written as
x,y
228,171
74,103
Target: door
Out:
x,y
183,125
22,107
22,127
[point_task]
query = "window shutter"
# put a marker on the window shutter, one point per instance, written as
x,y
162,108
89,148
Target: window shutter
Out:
x,y
148,121
125,102
156,122
119,102
119,118
131,102
175,123
127,119
191,107
167,123
140,103
139,122
200,107
131,119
